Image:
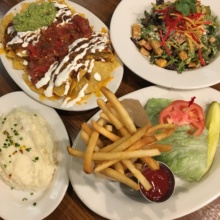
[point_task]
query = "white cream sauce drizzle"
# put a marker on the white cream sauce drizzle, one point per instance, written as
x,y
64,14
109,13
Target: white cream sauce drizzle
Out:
x,y
47,76
97,77
91,65
67,103
63,12
25,62
27,37
57,73
79,49
22,53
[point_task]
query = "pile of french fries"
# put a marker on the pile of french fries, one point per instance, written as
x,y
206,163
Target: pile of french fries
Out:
x,y
116,148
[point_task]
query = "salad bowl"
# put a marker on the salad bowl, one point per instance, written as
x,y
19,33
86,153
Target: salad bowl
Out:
x,y
121,29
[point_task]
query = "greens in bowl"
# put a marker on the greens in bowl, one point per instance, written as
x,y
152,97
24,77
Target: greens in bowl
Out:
x,y
178,35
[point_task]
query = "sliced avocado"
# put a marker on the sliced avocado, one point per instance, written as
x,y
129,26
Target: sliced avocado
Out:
x,y
213,126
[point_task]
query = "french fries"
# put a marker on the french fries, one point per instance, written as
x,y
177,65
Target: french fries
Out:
x,y
105,132
118,149
87,162
116,155
125,118
120,177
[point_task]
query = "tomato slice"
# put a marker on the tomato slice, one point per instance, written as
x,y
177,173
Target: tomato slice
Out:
x,y
182,112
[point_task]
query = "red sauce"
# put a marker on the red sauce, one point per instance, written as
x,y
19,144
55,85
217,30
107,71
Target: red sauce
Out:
x,y
162,182
53,45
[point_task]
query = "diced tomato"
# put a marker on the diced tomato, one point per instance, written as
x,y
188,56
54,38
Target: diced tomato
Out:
x,y
53,45
83,25
182,112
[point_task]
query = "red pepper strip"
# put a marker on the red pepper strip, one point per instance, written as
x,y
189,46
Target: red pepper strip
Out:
x,y
172,26
167,18
167,34
200,57
164,43
207,22
194,38
195,16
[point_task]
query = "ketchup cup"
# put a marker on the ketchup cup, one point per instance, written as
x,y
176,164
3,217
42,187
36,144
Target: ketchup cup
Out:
x,y
162,182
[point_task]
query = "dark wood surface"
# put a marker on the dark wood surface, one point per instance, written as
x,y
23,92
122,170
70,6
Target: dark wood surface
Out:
x,y
71,206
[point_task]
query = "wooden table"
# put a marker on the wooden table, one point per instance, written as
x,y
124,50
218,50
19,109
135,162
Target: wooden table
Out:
x,y
71,206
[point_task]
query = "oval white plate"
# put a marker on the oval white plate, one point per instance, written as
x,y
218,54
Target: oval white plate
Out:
x,y
107,199
16,75
127,13
12,207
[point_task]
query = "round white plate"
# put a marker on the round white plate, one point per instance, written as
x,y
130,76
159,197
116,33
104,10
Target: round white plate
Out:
x,y
16,75
106,198
12,204
127,13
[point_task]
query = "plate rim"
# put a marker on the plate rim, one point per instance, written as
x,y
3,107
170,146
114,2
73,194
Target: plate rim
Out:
x,y
64,164
114,83
119,31
111,216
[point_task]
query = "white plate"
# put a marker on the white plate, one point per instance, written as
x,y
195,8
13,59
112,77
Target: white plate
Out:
x,y
16,75
107,199
12,207
127,13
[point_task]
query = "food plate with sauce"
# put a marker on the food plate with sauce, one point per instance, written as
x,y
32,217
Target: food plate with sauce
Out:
x,y
121,29
18,204
89,102
109,196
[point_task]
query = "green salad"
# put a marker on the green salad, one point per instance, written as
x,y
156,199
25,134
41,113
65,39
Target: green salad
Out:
x,y
188,158
178,35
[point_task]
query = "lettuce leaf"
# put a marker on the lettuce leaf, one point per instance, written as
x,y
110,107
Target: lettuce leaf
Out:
x,y
188,158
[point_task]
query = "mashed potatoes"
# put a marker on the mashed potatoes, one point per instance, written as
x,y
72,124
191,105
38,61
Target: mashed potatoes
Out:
x,y
27,150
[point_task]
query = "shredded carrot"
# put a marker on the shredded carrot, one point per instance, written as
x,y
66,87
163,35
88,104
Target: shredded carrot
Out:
x,y
192,27
190,44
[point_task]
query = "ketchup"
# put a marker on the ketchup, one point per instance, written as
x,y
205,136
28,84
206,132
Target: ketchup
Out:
x,y
162,182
